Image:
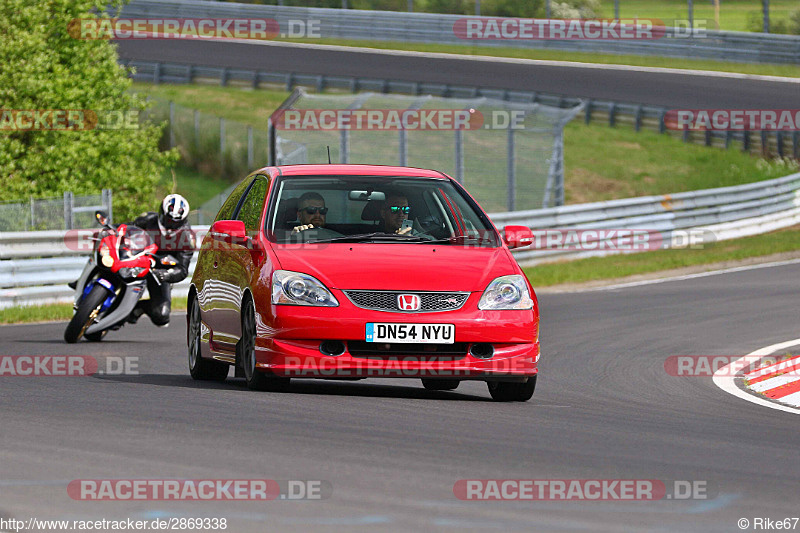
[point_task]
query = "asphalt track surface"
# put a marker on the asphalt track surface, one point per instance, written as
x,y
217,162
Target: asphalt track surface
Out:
x,y
604,409
666,89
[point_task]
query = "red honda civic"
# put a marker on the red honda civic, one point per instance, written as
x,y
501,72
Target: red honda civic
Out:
x,y
357,271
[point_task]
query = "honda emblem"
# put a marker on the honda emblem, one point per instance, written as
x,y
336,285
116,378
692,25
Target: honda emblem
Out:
x,y
408,302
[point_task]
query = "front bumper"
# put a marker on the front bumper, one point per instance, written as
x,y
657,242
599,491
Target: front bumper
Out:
x,y
302,359
291,348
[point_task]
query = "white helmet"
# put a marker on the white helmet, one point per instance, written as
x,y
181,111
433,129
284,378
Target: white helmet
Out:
x,y
174,211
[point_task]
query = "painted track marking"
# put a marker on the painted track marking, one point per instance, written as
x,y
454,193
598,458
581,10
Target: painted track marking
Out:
x,y
724,378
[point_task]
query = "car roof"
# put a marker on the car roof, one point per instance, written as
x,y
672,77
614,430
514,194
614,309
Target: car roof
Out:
x,y
354,170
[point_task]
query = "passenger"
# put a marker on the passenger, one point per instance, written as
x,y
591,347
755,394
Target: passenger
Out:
x,y
394,212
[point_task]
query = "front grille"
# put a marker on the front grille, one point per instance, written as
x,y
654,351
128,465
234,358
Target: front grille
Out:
x,y
407,351
431,302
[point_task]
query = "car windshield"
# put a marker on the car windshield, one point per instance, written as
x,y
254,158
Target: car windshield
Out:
x,y
373,209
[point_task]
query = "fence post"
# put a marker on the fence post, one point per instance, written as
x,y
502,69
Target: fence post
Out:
x,y
459,155
171,121
33,219
197,130
273,141
108,203
403,148
222,146
344,146
69,203
512,174
249,148
638,124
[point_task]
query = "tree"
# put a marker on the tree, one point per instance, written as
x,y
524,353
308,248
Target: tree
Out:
x,y
46,68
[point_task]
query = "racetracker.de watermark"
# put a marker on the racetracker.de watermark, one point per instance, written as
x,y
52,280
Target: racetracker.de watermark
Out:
x,y
66,366
580,489
733,119
198,489
193,28
497,28
398,367
726,365
12,120
396,119
622,240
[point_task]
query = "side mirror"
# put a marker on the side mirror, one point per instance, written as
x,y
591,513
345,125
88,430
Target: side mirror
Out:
x,y
230,231
517,236
101,217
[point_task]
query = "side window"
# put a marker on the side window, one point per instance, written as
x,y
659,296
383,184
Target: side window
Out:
x,y
253,205
226,211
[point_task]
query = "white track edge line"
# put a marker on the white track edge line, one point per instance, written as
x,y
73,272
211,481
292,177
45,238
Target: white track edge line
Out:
x,y
517,61
687,276
724,380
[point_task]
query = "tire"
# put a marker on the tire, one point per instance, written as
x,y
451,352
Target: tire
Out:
x,y
504,391
199,368
440,384
246,355
87,311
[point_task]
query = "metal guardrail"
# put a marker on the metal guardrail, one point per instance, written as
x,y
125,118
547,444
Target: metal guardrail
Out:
x,y
766,143
438,28
35,266
723,213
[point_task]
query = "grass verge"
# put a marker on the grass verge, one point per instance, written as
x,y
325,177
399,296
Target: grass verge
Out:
x,y
193,185
733,14
601,163
56,312
619,266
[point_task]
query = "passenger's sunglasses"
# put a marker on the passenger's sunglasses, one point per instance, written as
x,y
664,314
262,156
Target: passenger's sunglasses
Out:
x,y
395,209
312,210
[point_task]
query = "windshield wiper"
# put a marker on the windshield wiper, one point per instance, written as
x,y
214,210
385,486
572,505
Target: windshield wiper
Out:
x,y
460,239
378,235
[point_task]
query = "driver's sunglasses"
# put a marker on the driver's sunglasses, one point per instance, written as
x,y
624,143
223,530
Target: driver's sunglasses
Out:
x,y
395,209
312,210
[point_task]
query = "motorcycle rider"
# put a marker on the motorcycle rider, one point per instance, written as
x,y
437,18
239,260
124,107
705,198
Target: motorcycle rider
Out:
x,y
170,230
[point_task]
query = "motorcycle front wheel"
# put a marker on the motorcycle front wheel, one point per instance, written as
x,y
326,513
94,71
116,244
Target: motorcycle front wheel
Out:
x,y
87,311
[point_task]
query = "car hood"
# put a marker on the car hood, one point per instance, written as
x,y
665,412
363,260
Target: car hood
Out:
x,y
398,266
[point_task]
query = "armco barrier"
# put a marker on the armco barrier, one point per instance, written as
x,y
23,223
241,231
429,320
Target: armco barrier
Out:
x,y
438,28
726,213
35,266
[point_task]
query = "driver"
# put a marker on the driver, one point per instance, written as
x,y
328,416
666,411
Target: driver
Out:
x,y
311,211
170,230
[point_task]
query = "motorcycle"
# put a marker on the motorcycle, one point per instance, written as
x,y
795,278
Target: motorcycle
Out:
x,y
112,282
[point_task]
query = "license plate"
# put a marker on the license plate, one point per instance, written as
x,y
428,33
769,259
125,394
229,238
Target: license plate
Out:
x,y
411,333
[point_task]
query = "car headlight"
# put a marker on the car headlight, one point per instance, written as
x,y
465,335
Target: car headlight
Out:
x,y
295,288
506,292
